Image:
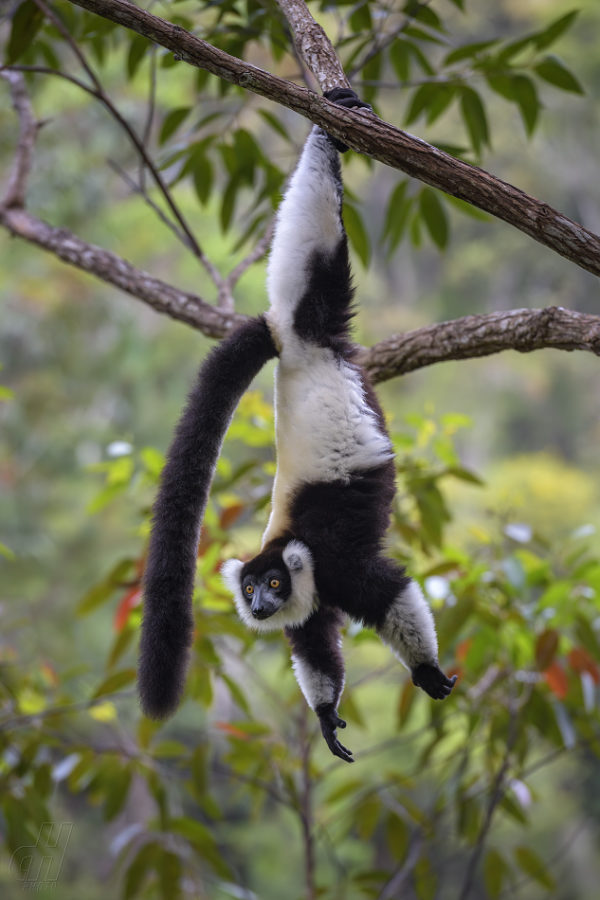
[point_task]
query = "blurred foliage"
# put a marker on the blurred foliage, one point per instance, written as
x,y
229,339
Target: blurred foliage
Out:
x,y
517,621
502,778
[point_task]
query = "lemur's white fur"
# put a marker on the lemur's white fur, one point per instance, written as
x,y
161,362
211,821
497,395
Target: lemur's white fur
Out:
x,y
318,688
303,225
301,602
324,428
409,628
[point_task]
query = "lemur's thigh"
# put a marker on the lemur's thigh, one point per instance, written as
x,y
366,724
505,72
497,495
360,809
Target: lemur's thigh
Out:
x,y
394,605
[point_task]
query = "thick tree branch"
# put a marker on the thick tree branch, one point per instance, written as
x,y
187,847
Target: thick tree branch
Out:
x,y
474,336
313,45
111,268
369,135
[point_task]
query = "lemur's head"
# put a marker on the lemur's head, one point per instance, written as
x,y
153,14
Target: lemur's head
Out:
x,y
275,589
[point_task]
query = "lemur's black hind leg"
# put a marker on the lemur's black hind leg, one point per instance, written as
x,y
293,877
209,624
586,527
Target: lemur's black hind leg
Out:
x,y
384,598
319,669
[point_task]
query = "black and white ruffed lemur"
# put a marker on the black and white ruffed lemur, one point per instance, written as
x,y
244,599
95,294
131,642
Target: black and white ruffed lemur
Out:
x,y
322,551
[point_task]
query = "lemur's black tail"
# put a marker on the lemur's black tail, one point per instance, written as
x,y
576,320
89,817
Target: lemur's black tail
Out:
x,y
169,578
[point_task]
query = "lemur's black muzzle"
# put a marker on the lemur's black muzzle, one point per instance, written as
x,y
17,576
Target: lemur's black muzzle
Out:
x,y
262,605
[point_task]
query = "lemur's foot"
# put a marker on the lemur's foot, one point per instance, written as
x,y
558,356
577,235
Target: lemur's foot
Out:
x,y
433,681
330,721
347,98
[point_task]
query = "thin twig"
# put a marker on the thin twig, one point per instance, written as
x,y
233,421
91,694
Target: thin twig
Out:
x,y
367,134
14,196
138,188
496,794
147,132
388,39
103,97
306,808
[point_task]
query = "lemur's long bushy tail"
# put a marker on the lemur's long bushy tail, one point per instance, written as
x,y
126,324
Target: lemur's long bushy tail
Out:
x,y
179,508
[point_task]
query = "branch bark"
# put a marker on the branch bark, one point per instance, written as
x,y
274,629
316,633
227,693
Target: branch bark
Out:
x,y
474,336
524,330
115,270
367,134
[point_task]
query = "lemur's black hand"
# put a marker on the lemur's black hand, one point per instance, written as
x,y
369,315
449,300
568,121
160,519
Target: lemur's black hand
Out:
x,y
329,721
347,98
433,681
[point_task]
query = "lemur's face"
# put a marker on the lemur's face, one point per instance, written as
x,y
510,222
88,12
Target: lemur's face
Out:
x,y
266,592
274,590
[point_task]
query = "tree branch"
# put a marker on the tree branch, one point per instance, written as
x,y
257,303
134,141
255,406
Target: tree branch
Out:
x,y
14,195
109,267
367,134
474,336
313,45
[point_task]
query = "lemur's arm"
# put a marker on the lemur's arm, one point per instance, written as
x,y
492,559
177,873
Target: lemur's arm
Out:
x,y
185,482
319,669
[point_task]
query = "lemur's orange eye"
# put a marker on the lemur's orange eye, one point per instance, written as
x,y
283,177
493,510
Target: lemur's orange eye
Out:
x,y
249,590
274,583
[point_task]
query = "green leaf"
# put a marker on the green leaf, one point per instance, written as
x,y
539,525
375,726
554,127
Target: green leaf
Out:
x,y
7,553
203,176
425,880
357,233
526,98
102,592
275,124
26,23
137,50
228,203
434,216
519,89
236,693
118,789
495,872
465,475
444,97
421,100
169,875
533,866
399,54
143,862
554,71
396,218
115,682
550,34
467,51
172,122
475,118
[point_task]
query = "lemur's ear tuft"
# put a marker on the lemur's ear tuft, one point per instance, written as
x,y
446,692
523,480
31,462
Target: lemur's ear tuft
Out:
x,y
230,573
294,563
296,556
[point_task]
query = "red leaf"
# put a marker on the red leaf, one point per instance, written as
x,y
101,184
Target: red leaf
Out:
x,y
581,661
131,599
233,731
557,680
545,648
205,542
463,649
230,515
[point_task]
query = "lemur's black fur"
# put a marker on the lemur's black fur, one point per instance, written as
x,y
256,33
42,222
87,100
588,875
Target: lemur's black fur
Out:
x,y
323,549
179,507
